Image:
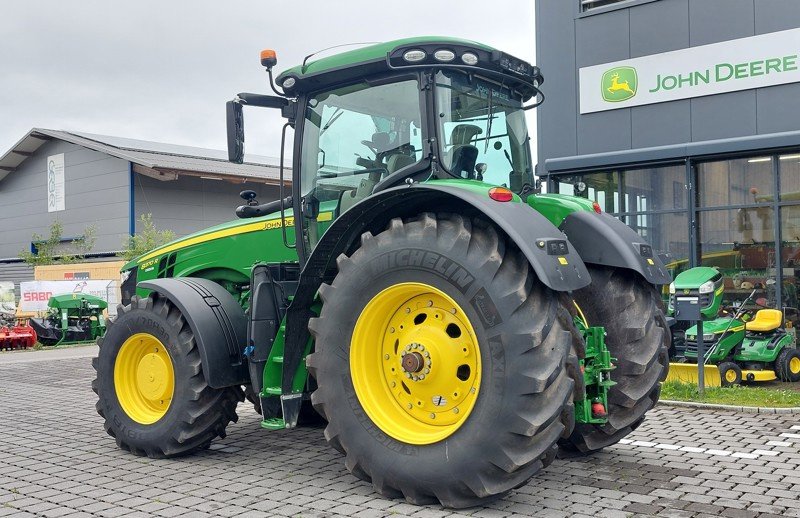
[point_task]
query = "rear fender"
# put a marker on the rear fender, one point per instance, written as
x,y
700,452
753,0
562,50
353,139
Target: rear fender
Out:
x,y
218,323
604,240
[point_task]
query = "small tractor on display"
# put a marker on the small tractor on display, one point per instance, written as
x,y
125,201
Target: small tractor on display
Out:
x,y
735,350
451,325
72,318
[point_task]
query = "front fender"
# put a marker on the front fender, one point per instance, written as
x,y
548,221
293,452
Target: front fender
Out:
x,y
218,323
604,240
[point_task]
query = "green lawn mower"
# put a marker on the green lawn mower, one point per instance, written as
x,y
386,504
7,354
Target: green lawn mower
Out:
x,y
736,348
72,318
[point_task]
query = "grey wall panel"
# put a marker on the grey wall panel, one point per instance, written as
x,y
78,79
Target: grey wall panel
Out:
x,y
778,108
602,38
606,131
16,272
724,116
661,124
95,194
776,15
659,27
190,204
712,21
555,55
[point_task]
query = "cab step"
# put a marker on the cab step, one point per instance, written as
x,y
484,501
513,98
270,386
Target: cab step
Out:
x,y
273,423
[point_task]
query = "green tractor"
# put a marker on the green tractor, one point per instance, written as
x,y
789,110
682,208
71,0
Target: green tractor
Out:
x,y
71,318
735,350
451,325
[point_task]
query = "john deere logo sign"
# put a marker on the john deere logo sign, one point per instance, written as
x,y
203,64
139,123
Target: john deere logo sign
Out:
x,y
619,84
744,64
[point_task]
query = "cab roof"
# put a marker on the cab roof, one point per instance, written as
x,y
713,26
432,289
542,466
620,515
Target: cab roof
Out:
x,y
386,57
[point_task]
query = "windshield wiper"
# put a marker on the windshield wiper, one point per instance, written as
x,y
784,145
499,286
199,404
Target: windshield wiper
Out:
x,y
336,114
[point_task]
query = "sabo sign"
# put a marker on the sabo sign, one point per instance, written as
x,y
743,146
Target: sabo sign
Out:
x,y
755,62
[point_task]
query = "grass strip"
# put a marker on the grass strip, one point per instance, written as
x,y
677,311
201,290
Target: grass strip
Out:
x,y
736,395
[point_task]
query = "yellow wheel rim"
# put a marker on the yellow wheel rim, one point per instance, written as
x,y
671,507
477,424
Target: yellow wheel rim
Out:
x,y
730,376
415,363
794,365
143,378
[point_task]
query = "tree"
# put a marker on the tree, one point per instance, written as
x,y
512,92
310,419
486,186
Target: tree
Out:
x,y
146,239
51,250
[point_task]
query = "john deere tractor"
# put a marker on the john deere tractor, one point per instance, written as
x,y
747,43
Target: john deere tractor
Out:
x,y
452,326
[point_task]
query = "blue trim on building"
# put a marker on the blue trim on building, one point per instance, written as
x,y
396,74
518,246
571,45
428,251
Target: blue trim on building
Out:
x,y
131,201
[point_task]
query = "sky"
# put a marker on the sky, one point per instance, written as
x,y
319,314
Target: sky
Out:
x,y
162,70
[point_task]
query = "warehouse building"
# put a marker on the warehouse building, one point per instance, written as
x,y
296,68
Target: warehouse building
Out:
x,y
682,118
106,183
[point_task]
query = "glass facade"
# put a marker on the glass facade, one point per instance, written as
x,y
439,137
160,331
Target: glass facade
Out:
x,y
719,212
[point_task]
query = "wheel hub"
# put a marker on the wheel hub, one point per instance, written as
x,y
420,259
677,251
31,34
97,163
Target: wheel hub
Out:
x,y
794,365
144,378
423,391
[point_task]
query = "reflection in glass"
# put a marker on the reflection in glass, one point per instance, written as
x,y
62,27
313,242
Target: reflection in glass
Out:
x,y
789,167
655,188
741,244
735,182
600,187
790,262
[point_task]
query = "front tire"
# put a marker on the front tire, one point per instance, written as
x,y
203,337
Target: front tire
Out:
x,y
638,336
481,363
730,374
150,385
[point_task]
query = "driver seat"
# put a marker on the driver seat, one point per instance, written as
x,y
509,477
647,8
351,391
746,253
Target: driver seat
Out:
x,y
766,320
463,154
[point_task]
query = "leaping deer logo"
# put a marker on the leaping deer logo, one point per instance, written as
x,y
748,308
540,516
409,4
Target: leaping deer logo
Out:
x,y
616,85
619,84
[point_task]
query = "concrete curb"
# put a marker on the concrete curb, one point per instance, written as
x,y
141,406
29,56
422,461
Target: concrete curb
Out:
x,y
731,408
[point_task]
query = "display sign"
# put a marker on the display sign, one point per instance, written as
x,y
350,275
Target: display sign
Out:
x,y
34,295
55,183
742,64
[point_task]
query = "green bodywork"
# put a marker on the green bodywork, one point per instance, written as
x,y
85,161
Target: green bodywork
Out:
x,y
688,284
556,207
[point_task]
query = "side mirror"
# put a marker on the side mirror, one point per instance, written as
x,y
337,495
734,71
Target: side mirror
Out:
x,y
235,128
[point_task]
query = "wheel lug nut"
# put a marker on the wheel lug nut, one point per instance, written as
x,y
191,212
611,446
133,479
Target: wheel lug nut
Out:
x,y
430,303
422,376
455,410
394,384
385,356
410,406
408,310
433,416
391,330
427,371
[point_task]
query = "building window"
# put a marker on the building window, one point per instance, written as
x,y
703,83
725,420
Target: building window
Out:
x,y
587,5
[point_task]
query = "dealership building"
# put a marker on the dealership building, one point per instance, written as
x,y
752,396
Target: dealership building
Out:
x,y
682,118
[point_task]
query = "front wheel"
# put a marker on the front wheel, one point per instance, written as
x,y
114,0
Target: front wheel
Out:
x,y
150,385
730,374
440,363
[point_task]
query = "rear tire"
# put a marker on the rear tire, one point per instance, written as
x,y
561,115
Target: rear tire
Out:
x,y
787,365
523,398
638,337
192,417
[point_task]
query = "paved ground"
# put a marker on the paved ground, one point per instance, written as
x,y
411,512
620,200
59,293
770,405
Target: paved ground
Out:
x,y
56,460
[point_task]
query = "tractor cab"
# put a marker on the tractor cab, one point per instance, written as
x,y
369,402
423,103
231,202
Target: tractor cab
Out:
x,y
403,112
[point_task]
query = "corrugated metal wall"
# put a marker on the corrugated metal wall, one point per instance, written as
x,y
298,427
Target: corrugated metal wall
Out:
x,y
16,273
